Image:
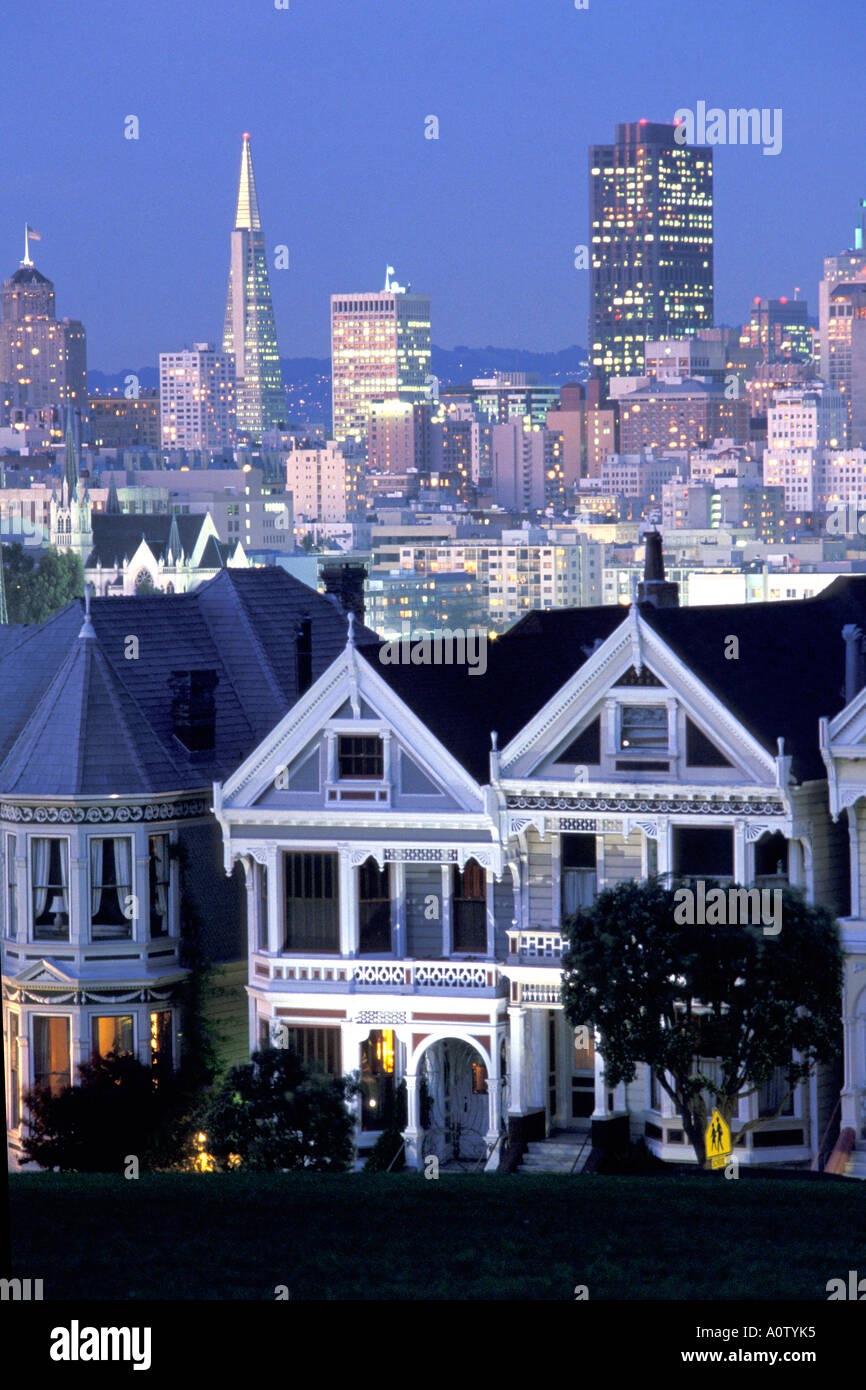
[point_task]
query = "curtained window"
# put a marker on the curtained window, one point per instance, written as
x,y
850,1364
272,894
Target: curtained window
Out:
x,y
374,908
312,903
111,1033
51,1053
469,908
577,872
771,1094
110,888
159,869
50,878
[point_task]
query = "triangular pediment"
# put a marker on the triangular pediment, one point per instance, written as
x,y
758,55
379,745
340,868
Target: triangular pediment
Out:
x,y
635,710
44,972
290,768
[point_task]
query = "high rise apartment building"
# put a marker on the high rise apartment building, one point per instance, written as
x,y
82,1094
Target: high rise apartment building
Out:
x,y
380,350
197,398
651,216
45,357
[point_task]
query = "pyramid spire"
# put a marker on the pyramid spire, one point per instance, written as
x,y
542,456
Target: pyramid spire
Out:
x,y
249,331
247,215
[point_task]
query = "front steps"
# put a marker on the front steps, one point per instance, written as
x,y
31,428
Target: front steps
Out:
x,y
856,1164
557,1154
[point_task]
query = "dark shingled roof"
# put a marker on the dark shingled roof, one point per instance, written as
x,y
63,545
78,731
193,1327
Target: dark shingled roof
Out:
x,y
79,716
789,673
117,537
28,275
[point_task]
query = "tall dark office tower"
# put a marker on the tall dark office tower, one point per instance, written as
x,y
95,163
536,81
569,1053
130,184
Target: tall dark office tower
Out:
x,y
651,214
249,330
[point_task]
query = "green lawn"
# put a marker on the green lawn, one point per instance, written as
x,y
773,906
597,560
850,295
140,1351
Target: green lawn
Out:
x,y
228,1236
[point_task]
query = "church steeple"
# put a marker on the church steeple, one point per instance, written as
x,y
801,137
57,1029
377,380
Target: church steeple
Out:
x,y
71,470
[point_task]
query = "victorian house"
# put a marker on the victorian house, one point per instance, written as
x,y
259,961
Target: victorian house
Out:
x,y
116,717
412,835
400,840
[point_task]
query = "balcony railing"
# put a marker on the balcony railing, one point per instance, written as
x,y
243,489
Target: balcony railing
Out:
x,y
540,946
355,976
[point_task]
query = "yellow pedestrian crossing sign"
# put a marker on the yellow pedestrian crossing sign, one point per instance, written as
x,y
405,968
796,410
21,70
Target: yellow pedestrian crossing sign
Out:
x,y
717,1141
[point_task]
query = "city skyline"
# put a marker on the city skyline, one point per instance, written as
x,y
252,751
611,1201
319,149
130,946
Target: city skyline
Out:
x,y
335,166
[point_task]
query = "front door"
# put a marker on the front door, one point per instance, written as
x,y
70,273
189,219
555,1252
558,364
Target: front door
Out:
x,y
582,1074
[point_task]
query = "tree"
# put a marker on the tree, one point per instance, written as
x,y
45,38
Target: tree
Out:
x,y
276,1114
117,1110
39,583
673,995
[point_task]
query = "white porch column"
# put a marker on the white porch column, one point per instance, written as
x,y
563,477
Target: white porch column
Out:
x,y
348,903
854,844
447,933
251,873
600,1108
741,873
517,1059
275,905
665,844
397,875
412,1132
494,1104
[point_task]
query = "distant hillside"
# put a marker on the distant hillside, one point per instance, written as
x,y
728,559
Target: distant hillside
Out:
x,y
308,379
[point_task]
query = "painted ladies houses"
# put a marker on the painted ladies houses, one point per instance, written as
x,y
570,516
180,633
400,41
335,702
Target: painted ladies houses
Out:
x,y
412,834
116,716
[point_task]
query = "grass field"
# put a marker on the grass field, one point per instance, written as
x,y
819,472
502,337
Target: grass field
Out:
x,y
235,1236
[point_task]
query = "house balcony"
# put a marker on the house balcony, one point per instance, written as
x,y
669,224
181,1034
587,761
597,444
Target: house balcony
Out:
x,y
338,975
535,946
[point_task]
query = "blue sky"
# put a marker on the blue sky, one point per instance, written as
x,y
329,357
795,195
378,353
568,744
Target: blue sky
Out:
x,y
335,95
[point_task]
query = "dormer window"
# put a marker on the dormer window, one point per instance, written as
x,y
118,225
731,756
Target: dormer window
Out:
x,y
643,728
360,756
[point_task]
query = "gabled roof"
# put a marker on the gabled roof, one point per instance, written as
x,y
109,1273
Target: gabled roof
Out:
x,y
80,717
117,537
788,674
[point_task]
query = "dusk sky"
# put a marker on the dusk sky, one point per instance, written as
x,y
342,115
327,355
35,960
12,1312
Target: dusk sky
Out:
x,y
335,94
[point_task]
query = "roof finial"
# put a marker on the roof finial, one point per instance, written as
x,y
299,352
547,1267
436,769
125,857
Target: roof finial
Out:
x,y
350,620
87,629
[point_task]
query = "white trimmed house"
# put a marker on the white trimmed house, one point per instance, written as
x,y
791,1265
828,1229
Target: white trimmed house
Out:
x,y
411,837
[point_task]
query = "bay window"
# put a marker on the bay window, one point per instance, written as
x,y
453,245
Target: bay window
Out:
x,y
110,888
51,1067
50,879
159,869
111,1033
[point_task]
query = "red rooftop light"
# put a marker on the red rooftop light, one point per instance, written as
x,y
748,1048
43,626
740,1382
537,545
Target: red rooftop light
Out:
x,y
642,120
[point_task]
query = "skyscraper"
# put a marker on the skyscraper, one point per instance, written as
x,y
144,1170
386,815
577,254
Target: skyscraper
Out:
x,y
846,266
43,355
651,214
250,333
380,350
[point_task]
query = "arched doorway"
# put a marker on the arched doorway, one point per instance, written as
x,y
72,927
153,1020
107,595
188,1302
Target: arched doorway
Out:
x,y
455,1102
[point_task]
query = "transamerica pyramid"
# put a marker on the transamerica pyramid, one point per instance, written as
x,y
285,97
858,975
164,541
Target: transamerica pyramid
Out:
x,y
249,325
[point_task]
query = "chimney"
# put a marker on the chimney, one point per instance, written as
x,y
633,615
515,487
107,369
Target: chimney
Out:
x,y
344,582
853,639
654,589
